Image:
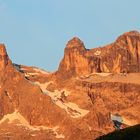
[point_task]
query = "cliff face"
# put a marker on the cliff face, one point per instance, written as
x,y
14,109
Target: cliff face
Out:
x,y
4,59
74,61
121,56
17,93
35,104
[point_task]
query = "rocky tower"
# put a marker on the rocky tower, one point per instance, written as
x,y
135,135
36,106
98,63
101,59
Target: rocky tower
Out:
x,y
121,56
3,57
74,61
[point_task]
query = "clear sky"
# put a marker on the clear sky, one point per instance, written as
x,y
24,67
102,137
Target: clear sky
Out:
x,y
36,31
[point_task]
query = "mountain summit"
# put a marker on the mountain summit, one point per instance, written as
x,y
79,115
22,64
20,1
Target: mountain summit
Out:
x,y
121,56
4,60
75,43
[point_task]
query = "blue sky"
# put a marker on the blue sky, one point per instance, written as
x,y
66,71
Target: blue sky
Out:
x,y
36,31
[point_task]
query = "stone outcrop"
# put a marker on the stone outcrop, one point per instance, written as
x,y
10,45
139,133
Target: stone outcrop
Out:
x,y
74,61
4,59
121,56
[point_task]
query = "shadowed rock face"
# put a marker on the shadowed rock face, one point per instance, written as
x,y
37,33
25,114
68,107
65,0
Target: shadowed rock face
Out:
x,y
121,56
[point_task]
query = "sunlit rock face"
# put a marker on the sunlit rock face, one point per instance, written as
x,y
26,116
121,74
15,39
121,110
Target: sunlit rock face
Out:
x,y
121,56
4,60
74,61
77,101
18,93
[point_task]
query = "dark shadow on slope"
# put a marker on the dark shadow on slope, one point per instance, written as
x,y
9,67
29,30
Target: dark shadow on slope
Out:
x,y
131,133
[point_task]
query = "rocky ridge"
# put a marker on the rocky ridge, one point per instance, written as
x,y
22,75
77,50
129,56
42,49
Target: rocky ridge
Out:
x,y
121,56
88,86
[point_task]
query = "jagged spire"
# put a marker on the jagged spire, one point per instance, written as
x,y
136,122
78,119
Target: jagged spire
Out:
x,y
75,42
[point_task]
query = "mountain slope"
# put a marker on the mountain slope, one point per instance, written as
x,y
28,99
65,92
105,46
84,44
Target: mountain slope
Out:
x,y
76,101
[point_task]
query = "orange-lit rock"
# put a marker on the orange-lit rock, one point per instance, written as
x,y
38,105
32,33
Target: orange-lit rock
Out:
x,y
121,56
74,103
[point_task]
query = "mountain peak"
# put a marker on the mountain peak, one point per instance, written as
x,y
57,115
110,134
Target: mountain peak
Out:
x,y
132,33
75,42
2,49
122,56
4,59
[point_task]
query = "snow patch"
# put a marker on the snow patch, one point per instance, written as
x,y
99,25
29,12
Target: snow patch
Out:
x,y
129,122
102,74
40,71
88,76
71,108
8,94
33,135
123,120
16,116
77,112
43,86
97,53
116,118
35,71
58,136
30,74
